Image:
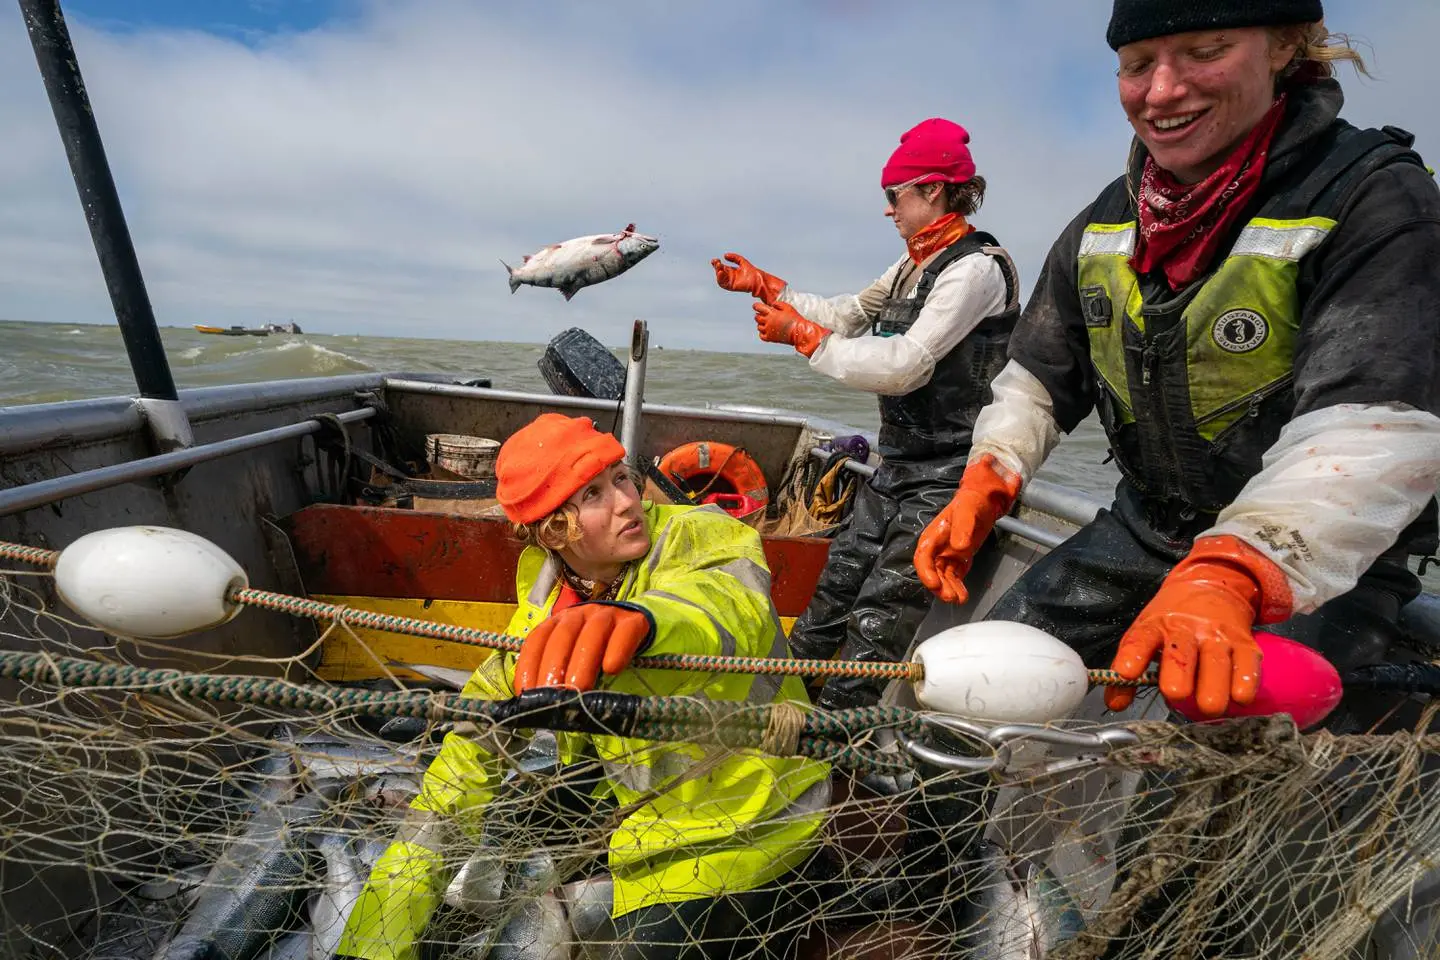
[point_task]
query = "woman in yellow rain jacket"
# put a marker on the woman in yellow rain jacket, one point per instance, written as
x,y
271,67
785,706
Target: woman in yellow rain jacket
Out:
x,y
710,841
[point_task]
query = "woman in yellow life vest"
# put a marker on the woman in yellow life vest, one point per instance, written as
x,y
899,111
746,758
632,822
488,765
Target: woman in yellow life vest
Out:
x,y
710,838
1253,310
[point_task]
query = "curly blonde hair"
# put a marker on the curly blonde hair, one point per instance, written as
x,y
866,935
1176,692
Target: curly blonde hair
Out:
x,y
552,533
1317,50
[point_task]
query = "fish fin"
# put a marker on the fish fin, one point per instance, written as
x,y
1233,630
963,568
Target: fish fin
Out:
x,y
569,292
525,258
510,272
629,228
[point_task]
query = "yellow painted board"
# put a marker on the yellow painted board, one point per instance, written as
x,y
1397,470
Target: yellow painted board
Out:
x,y
357,653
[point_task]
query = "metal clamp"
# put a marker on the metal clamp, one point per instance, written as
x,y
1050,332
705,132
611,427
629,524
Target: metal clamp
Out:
x,y
1106,738
997,759
1000,740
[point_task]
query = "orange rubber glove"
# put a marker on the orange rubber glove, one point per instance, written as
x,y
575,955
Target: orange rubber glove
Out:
x,y
745,277
947,547
1201,624
782,323
570,648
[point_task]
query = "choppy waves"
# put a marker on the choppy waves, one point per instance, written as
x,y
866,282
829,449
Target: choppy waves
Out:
x,y
49,362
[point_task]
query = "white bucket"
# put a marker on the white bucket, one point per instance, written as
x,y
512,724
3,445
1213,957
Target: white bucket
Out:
x,y
472,457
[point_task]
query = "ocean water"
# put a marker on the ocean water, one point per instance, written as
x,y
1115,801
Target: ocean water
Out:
x,y
47,362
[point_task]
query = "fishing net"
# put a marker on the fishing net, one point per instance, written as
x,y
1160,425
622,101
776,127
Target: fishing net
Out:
x,y
814,498
151,813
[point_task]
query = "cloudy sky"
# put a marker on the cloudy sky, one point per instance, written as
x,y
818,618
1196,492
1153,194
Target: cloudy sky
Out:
x,y
364,167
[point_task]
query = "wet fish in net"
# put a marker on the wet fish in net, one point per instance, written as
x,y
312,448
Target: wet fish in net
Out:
x,y
257,888
345,875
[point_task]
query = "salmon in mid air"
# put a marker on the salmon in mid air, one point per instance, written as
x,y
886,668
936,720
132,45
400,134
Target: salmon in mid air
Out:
x,y
580,262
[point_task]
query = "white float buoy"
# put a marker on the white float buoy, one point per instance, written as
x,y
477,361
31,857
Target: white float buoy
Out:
x,y
151,582
999,671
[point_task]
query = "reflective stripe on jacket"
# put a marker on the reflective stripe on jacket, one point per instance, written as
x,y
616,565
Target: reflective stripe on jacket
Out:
x,y
1195,386
708,820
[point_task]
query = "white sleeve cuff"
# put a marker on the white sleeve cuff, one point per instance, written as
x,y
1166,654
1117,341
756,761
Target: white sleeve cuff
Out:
x,y
1018,426
1336,491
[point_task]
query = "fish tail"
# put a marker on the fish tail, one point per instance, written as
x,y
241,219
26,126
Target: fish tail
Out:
x,y
510,272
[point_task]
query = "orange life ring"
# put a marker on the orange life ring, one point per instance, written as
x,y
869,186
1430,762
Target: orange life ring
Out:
x,y
707,467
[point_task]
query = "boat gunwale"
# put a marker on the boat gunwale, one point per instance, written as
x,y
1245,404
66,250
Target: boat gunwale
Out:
x,y
29,427
25,428
410,385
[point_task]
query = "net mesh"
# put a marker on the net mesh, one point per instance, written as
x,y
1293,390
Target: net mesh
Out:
x,y
141,820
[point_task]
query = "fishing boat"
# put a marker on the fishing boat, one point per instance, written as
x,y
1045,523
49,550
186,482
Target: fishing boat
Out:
x,y
248,331
150,782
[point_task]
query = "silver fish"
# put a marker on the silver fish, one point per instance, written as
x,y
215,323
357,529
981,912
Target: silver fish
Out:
x,y
328,759
588,903
183,883
291,946
478,886
536,925
393,789
578,263
256,889
449,676
370,851
270,779
345,878
538,930
1024,911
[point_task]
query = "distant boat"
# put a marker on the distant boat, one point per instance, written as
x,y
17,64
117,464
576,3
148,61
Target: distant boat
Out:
x,y
235,331
239,331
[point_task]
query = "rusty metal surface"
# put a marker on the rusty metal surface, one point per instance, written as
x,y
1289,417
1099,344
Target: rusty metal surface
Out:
x,y
383,552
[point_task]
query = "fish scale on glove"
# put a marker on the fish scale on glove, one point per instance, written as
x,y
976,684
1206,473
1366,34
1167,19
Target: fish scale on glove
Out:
x,y
583,261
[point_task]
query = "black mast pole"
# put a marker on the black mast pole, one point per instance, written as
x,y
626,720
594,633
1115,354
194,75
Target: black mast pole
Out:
x,y
76,121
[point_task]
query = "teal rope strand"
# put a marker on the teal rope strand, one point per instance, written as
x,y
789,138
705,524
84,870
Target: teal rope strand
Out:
x,y
657,718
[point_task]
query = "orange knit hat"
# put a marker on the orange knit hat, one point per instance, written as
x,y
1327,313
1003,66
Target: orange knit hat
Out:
x,y
546,461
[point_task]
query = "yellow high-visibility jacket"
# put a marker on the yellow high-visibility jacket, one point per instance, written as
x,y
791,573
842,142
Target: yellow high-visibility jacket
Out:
x,y
746,819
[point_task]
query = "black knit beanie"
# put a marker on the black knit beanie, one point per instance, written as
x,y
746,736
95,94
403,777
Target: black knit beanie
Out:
x,y
1133,20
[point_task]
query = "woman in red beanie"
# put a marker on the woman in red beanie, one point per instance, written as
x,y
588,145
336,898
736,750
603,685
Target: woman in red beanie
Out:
x,y
927,336
712,840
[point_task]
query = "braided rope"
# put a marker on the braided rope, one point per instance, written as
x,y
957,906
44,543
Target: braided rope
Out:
x,y
415,627
738,726
35,556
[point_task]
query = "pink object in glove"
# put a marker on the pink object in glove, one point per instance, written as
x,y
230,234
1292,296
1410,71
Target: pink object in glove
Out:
x,y
1293,679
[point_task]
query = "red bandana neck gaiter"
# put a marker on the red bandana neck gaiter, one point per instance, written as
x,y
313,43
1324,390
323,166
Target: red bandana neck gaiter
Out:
x,y
1183,224
937,236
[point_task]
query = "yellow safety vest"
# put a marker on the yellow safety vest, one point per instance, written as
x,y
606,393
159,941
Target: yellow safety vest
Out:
x,y
718,821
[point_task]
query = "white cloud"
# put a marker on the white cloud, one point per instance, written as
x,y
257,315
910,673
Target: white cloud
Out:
x,y
368,175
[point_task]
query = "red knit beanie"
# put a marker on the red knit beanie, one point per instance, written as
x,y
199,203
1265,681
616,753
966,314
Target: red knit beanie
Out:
x,y
933,150
546,461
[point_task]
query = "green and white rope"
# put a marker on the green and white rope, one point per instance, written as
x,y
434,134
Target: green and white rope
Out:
x,y
824,736
415,627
